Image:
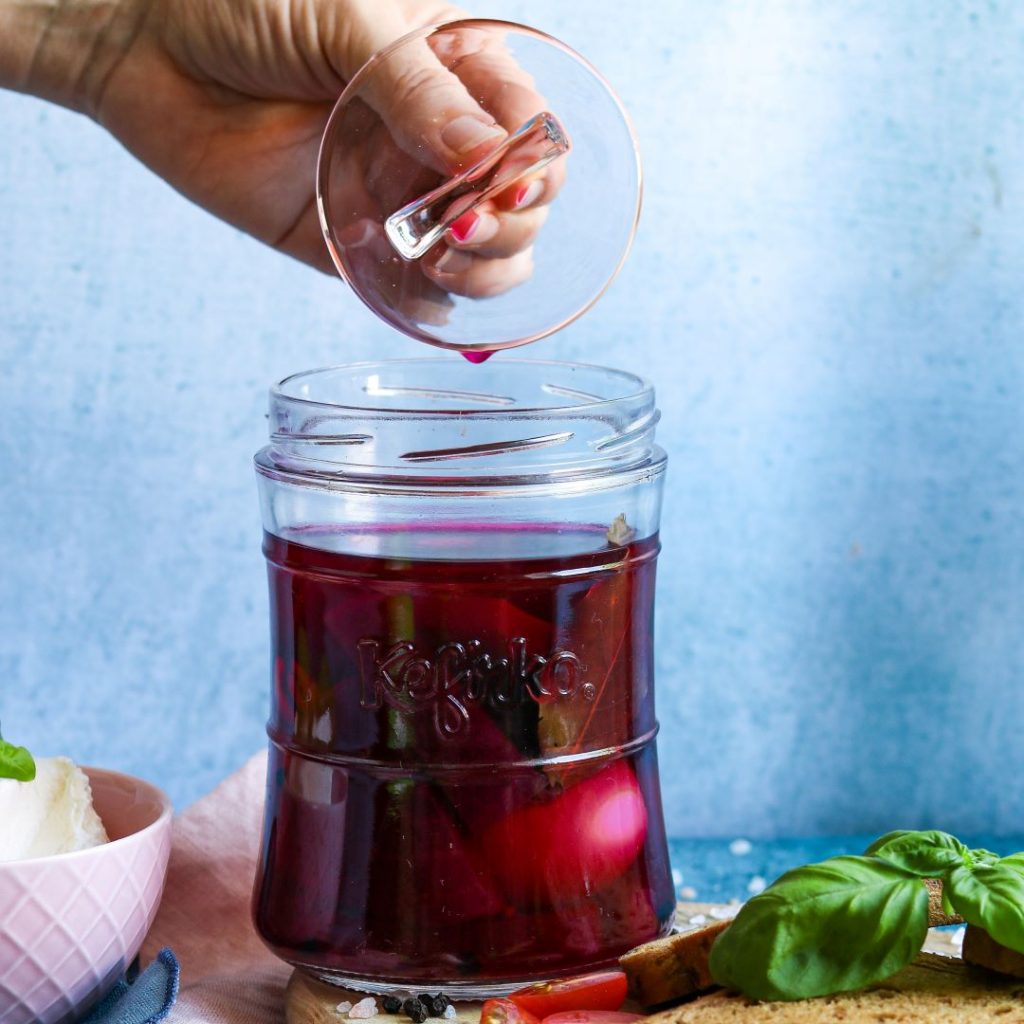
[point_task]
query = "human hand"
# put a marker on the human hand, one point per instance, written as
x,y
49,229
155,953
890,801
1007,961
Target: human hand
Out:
x,y
228,102
375,163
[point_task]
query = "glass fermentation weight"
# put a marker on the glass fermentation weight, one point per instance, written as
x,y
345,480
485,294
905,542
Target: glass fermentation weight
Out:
x,y
387,202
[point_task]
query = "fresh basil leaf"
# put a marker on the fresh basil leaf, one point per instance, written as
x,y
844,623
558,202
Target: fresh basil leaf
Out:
x,y
829,927
16,763
1014,861
947,906
985,856
887,838
929,854
991,896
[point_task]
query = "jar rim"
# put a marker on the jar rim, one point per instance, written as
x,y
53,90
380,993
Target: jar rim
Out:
x,y
499,405
442,418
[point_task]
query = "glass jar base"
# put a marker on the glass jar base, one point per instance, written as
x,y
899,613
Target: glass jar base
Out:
x,y
460,991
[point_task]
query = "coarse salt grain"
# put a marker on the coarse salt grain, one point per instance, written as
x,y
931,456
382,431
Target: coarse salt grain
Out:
x,y
698,919
343,1007
740,847
363,1009
725,913
687,893
450,1013
756,884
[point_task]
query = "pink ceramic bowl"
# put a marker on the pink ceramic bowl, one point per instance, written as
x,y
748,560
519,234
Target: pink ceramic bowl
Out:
x,y
70,925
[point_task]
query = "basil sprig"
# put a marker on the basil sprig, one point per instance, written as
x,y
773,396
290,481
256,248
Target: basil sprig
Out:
x,y
925,854
796,939
854,921
992,897
16,762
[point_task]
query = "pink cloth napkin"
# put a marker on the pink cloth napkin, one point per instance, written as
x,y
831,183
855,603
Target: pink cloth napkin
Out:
x,y
227,975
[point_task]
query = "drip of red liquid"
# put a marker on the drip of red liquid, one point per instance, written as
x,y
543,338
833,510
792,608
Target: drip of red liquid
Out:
x,y
477,357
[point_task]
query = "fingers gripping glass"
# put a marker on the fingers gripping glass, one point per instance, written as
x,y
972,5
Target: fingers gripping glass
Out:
x,y
417,226
551,222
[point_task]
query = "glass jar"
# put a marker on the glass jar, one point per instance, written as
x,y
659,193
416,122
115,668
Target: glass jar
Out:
x,y
463,787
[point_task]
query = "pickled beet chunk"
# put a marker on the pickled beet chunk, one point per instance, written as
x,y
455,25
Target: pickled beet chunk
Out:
x,y
628,914
425,873
535,941
565,848
470,613
458,885
316,838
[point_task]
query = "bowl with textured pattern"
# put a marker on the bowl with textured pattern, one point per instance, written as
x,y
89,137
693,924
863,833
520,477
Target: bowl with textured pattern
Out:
x,y
71,924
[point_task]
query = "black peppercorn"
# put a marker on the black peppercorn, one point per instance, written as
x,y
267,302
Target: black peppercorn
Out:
x,y
391,1004
436,1004
415,1010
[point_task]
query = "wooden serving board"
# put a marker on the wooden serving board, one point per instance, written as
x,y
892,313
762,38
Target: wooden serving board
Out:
x,y
308,1001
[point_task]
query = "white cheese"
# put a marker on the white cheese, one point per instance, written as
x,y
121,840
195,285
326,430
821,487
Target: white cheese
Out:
x,y
52,814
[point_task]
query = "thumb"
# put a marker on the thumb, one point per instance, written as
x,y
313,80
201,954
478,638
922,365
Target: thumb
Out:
x,y
427,108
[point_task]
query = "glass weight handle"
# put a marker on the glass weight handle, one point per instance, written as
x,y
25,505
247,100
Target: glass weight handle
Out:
x,y
418,225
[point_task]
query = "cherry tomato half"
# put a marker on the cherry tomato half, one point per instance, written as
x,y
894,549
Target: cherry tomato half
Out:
x,y
602,990
592,1017
504,1011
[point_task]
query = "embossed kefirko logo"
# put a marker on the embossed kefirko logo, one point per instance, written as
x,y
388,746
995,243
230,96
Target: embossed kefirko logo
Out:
x,y
452,679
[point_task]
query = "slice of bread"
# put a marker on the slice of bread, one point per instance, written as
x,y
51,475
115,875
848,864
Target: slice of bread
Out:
x,y
671,968
981,949
932,990
936,911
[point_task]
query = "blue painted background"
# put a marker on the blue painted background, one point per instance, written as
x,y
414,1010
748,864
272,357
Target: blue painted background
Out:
x,y
828,288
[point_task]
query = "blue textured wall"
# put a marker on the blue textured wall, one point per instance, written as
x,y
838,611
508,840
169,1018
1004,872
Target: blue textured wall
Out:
x,y
827,288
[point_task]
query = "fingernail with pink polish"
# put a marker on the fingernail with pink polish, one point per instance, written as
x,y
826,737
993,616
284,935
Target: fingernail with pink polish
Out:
x,y
526,194
464,227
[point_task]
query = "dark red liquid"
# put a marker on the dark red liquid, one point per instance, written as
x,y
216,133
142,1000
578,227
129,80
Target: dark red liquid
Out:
x,y
463,779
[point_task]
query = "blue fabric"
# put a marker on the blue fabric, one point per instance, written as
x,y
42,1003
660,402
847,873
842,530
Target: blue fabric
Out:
x,y
146,1000
709,871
